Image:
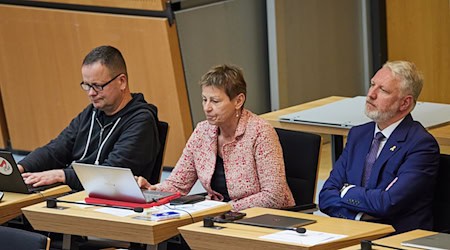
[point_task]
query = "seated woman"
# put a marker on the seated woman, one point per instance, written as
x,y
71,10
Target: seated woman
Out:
x,y
235,154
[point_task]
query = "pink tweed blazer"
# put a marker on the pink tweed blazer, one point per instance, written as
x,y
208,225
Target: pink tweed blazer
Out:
x,y
253,165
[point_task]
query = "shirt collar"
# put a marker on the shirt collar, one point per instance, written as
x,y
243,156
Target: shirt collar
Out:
x,y
388,130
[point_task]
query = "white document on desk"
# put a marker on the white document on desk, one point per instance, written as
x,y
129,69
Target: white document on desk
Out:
x,y
116,211
182,209
310,238
196,207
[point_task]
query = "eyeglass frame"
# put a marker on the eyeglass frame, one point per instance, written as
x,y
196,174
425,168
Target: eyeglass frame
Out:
x,y
95,86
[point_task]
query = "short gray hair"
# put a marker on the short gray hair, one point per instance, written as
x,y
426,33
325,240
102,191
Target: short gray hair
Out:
x,y
411,78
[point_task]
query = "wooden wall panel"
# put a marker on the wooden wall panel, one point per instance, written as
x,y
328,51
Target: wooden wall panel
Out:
x,y
419,31
157,5
41,51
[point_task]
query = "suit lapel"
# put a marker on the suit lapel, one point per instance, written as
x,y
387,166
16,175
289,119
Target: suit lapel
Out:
x,y
361,151
392,146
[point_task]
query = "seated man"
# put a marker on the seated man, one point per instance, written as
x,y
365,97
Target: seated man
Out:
x,y
387,171
117,129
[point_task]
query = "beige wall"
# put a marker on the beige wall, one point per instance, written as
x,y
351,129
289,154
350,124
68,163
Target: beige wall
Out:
x,y
319,49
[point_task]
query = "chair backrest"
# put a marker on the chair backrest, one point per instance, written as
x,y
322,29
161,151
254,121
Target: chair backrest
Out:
x,y
441,201
18,239
301,152
163,129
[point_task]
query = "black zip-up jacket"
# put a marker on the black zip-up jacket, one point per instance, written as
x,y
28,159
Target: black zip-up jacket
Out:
x,y
126,139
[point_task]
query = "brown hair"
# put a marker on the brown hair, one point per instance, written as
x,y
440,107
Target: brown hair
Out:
x,y
227,77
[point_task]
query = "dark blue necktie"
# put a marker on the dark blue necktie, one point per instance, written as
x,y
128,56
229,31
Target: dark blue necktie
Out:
x,y
371,157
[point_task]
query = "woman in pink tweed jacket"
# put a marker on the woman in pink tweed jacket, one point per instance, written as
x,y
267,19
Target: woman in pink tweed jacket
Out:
x,y
234,154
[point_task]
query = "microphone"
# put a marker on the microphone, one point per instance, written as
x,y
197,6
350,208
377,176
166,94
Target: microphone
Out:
x,y
209,222
367,245
53,203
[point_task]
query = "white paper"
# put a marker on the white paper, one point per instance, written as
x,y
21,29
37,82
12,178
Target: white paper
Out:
x,y
199,206
116,211
310,238
83,206
181,209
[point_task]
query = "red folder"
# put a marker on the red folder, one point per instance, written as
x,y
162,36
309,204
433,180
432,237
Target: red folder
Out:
x,y
131,204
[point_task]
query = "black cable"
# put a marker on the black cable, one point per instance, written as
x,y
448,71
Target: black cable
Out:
x,y
52,203
209,222
367,245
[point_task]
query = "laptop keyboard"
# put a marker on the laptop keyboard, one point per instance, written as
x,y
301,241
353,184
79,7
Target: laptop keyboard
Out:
x,y
151,195
41,188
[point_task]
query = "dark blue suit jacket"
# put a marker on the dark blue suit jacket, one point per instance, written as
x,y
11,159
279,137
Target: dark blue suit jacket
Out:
x,y
400,189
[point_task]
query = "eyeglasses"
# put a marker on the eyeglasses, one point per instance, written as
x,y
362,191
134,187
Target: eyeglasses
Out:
x,y
97,88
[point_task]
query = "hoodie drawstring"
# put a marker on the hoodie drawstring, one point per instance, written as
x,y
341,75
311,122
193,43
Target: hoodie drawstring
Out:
x,y
89,137
103,143
97,162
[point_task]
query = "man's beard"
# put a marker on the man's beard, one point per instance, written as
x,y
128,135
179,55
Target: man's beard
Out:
x,y
379,116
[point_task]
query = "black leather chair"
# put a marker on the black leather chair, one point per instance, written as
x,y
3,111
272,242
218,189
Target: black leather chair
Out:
x,y
19,239
301,152
441,201
163,129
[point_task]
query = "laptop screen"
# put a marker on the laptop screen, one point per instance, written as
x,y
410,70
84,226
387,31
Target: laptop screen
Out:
x,y
113,183
10,177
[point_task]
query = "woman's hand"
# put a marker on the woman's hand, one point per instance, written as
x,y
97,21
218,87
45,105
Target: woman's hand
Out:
x,y
143,183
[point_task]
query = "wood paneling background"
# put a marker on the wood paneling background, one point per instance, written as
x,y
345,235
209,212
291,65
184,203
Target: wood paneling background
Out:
x,y
419,31
41,51
131,4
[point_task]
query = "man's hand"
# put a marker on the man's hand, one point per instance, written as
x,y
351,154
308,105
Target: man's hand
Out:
x,y
44,178
143,183
367,217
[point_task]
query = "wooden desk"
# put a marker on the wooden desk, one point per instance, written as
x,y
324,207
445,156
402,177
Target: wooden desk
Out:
x,y
235,236
441,132
75,220
11,203
396,240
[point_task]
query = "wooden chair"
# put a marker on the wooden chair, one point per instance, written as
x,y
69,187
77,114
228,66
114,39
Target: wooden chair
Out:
x,y
301,152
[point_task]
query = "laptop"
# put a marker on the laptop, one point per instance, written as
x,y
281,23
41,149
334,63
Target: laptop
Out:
x,y
349,112
345,113
114,183
11,179
440,241
272,220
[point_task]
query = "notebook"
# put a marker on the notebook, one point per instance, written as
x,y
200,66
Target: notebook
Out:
x,y
440,241
115,183
272,220
11,179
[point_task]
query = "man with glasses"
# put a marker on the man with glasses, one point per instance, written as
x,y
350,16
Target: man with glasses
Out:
x,y
117,129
